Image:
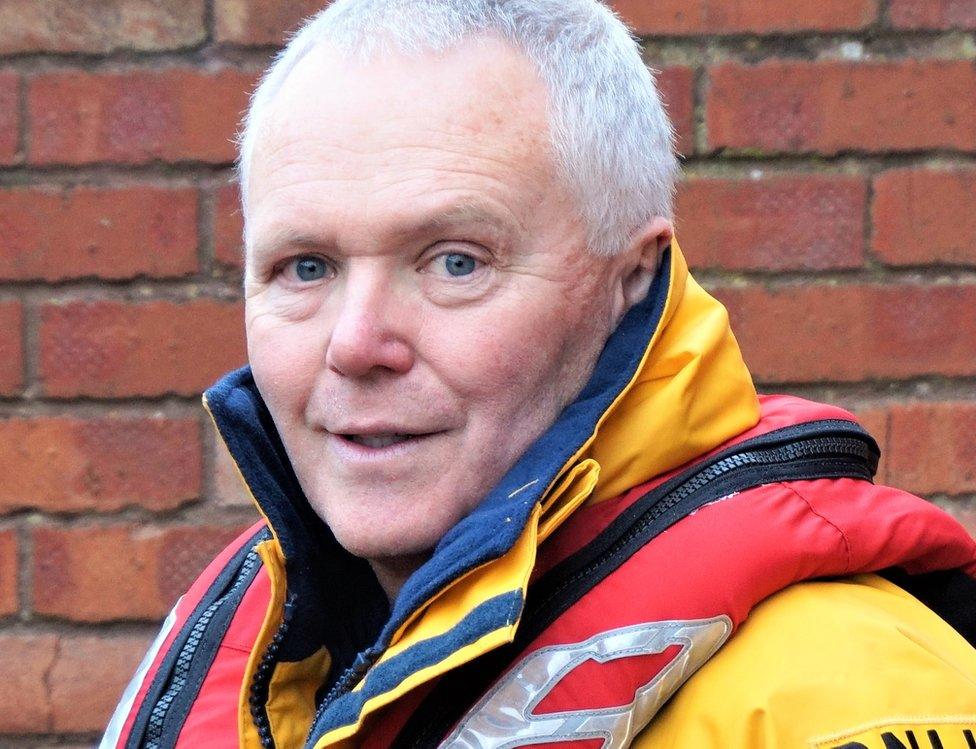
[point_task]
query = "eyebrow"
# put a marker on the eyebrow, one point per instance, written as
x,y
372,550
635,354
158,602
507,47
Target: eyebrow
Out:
x,y
464,213
286,237
454,216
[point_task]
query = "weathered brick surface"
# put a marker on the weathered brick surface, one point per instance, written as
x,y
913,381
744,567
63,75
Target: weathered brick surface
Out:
x,y
63,464
117,349
173,114
87,679
228,485
829,202
925,216
258,22
228,227
830,107
9,572
796,222
822,333
105,573
24,695
103,26
56,234
64,683
875,420
676,84
933,447
9,116
708,17
933,14
11,347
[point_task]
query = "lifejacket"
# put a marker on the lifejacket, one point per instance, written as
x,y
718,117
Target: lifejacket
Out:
x,y
615,559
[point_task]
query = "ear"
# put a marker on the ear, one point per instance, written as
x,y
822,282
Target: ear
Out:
x,y
638,264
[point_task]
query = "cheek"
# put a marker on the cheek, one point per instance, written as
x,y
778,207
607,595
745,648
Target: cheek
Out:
x,y
512,358
285,359
499,348
552,353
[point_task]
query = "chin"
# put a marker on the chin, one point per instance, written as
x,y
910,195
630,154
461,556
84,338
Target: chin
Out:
x,y
405,523
386,547
376,539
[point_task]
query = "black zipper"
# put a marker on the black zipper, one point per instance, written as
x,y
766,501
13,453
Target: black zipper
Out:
x,y
349,678
182,669
820,449
798,453
261,683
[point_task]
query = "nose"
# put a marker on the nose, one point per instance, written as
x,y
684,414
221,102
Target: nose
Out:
x,y
369,335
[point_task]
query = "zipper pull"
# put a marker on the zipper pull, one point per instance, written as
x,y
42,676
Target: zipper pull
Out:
x,y
261,684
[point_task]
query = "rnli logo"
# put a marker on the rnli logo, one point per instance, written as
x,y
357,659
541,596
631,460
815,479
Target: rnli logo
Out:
x,y
507,717
921,733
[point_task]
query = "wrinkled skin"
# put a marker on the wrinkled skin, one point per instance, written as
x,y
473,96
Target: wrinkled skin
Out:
x,y
415,267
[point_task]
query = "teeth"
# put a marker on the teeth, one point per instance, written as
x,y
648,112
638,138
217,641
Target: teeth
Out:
x,y
378,440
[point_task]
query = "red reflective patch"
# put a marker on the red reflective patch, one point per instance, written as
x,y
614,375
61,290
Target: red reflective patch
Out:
x,y
593,685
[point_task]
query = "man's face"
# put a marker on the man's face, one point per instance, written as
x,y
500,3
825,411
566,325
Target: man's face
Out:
x,y
420,302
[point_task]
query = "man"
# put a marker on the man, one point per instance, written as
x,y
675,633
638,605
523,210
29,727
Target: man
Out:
x,y
517,483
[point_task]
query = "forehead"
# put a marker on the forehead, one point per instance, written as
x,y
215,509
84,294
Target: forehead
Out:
x,y
472,117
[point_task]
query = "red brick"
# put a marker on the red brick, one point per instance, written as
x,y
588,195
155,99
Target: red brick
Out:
x,y
228,227
933,447
118,349
24,700
676,85
875,420
830,107
260,22
140,116
9,117
228,485
924,216
104,26
852,333
11,347
795,222
64,683
88,677
933,14
9,572
98,574
91,231
62,464
707,17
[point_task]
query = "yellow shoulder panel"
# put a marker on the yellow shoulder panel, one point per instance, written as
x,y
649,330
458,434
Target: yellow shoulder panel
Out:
x,y
854,663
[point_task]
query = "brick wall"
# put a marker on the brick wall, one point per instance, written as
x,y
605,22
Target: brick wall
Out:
x,y
830,201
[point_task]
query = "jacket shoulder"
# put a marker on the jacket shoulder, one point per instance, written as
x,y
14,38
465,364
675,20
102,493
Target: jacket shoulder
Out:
x,y
828,664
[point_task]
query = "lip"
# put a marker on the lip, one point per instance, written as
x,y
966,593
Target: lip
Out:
x,y
354,452
376,427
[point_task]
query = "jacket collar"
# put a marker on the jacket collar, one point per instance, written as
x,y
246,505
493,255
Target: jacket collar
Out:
x,y
670,384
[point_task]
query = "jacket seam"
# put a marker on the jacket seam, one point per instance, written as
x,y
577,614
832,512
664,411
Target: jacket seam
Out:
x,y
847,544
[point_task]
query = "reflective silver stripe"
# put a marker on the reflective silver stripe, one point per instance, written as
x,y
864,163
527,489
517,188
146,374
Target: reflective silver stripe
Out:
x,y
121,714
503,718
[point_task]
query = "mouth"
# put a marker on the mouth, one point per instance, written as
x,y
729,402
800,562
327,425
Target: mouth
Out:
x,y
378,441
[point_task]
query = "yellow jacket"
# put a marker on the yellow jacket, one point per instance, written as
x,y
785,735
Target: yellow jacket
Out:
x,y
843,663
847,662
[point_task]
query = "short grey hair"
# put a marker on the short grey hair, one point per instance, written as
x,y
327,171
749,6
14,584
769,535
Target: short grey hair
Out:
x,y
612,141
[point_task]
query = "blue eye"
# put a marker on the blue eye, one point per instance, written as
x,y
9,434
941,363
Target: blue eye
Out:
x,y
311,268
458,264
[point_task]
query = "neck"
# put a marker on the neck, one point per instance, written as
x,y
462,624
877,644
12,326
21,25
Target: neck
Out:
x,y
393,572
